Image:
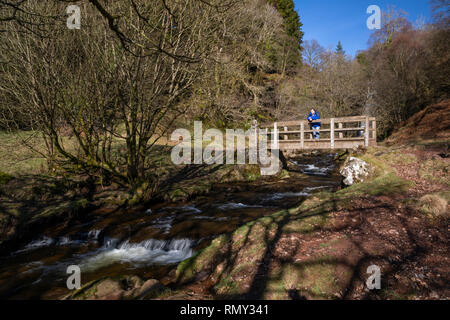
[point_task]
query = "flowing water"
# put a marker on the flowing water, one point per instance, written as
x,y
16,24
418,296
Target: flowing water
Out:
x,y
152,241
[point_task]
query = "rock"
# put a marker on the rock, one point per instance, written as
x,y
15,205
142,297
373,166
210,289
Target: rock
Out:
x,y
108,290
148,290
354,171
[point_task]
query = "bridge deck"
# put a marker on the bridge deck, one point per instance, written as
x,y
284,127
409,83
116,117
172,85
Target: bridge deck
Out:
x,y
335,133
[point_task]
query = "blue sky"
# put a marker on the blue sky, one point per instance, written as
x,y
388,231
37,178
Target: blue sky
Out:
x,y
329,21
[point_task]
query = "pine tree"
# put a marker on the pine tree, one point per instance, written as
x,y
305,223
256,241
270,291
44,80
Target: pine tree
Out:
x,y
340,49
291,18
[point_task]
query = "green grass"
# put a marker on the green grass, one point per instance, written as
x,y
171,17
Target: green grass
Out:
x,y
189,267
383,180
386,184
16,158
316,279
435,170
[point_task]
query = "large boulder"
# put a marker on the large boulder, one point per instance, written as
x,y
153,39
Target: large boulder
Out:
x,y
354,171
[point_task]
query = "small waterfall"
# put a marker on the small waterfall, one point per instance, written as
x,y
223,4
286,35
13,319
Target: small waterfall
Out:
x,y
148,252
314,170
153,244
321,166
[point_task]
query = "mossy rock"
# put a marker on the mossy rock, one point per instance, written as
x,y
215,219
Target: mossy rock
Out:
x,y
201,260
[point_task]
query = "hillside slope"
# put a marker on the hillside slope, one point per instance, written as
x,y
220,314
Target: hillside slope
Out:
x,y
433,122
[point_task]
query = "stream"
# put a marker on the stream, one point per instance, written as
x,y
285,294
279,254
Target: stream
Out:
x,y
152,241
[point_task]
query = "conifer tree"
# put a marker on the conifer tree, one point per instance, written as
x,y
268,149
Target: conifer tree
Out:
x,y
339,48
291,19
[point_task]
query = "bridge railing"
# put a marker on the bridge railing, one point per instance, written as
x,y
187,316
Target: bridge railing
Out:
x,y
335,133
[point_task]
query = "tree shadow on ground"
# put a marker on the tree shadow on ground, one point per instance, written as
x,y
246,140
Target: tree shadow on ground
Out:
x,y
338,271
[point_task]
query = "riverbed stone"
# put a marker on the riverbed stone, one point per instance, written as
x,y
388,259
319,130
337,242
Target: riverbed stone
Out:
x,y
354,171
108,290
149,289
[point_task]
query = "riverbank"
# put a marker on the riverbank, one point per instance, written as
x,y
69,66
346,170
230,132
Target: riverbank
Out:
x,y
397,220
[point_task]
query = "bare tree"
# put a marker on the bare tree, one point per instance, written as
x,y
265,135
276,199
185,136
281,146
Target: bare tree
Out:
x,y
441,13
392,21
28,18
312,53
115,102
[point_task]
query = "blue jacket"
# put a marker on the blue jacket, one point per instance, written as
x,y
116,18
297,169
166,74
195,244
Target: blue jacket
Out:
x,y
316,116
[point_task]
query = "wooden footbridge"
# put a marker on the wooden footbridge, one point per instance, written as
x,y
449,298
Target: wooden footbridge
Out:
x,y
335,133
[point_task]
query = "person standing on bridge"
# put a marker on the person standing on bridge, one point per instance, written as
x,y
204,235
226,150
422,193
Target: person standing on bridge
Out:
x,y
315,126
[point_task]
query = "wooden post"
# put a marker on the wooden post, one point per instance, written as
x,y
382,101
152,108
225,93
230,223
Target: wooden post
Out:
x,y
275,136
366,140
285,137
374,129
341,134
332,133
302,135
310,134
252,144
